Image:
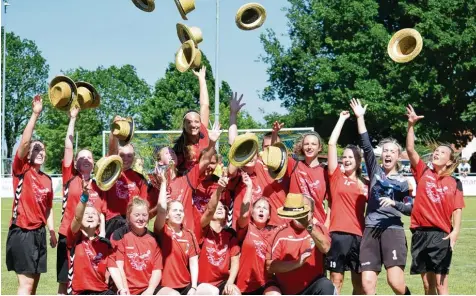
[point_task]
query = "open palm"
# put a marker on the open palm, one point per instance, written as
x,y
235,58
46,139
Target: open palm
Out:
x,y
215,132
235,103
356,106
412,116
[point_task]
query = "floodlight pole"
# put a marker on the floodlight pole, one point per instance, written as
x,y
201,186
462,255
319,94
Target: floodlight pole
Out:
x,y
217,84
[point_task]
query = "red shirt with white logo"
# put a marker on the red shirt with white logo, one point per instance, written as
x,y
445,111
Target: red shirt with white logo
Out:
x,y
215,256
177,250
437,197
348,199
33,191
202,144
90,261
72,194
128,185
288,245
252,274
311,181
141,255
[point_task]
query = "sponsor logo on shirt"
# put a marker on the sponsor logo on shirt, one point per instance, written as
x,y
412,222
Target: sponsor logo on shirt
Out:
x,y
260,248
200,202
435,194
139,261
40,193
124,190
214,256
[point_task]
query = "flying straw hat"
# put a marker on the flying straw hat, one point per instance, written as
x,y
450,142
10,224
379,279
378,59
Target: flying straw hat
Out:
x,y
62,91
250,16
144,5
186,33
275,157
243,149
184,7
88,97
405,45
188,56
294,207
107,171
124,130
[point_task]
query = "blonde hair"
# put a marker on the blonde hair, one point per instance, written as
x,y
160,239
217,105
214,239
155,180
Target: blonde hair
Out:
x,y
136,202
390,140
169,203
454,158
300,143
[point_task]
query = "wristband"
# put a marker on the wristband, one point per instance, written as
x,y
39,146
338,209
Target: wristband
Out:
x,y
84,198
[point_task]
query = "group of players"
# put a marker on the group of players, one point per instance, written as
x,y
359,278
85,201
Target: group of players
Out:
x,y
221,233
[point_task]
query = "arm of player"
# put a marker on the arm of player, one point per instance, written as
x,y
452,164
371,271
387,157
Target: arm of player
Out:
x,y
69,139
80,208
410,144
244,218
193,262
204,100
280,266
235,107
275,132
118,281
161,204
23,148
102,225
453,236
51,227
321,240
213,137
213,202
153,282
332,162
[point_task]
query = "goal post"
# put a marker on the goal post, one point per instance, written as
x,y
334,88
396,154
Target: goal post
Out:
x,y
145,141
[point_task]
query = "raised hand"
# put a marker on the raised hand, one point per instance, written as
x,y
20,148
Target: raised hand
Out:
x,y
201,74
412,116
303,257
235,103
223,182
37,104
215,133
356,106
85,186
246,180
277,126
73,113
344,115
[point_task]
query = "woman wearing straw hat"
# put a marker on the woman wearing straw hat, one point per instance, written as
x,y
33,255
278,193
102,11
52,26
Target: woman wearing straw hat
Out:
x,y
74,172
296,256
383,240
194,137
219,259
437,213
346,211
179,248
255,235
31,209
88,252
129,184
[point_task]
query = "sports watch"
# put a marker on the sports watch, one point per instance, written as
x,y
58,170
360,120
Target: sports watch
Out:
x,y
309,228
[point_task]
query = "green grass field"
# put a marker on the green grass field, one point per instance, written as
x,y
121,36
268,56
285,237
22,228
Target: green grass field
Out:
x,y
463,267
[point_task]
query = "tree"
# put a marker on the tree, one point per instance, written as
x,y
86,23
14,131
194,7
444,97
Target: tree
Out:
x,y
26,74
122,92
339,51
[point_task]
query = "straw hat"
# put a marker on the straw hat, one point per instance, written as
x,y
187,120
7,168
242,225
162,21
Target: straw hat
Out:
x,y
88,97
184,7
62,92
186,33
405,45
124,130
145,5
250,16
243,149
188,56
294,207
107,171
275,157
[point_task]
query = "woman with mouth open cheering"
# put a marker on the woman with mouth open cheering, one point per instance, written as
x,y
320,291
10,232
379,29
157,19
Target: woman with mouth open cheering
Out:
x,y
383,240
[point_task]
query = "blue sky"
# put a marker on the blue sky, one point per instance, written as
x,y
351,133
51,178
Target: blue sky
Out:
x,y
90,33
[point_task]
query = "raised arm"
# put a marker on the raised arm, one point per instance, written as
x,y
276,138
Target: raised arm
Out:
x,y
410,147
213,136
332,161
207,216
80,208
204,101
37,106
235,107
244,218
275,132
162,203
69,139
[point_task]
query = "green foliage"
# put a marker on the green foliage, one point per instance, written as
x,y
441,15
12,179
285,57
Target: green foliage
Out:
x,y
26,74
339,51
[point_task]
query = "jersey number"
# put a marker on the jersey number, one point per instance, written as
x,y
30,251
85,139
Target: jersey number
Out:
x,y
394,255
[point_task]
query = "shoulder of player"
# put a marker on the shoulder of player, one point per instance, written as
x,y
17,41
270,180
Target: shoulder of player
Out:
x,y
105,241
458,183
120,233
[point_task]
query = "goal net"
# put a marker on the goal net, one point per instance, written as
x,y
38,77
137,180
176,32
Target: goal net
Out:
x,y
145,142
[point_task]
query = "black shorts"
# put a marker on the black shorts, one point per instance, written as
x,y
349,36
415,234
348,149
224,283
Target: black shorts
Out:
x,y
260,291
26,250
430,253
113,224
107,292
344,252
182,291
220,286
320,286
62,260
387,246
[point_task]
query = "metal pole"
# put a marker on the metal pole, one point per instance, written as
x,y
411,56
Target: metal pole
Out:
x,y
3,140
217,84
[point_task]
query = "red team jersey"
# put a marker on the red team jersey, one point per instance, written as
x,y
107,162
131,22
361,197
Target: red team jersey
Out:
x,y
436,198
288,245
177,250
215,257
33,193
312,182
90,262
72,193
202,144
252,274
141,255
129,184
348,204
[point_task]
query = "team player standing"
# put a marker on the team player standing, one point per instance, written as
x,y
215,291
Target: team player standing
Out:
x,y
248,230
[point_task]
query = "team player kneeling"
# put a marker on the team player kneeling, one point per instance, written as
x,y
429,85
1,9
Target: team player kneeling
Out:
x,y
282,240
